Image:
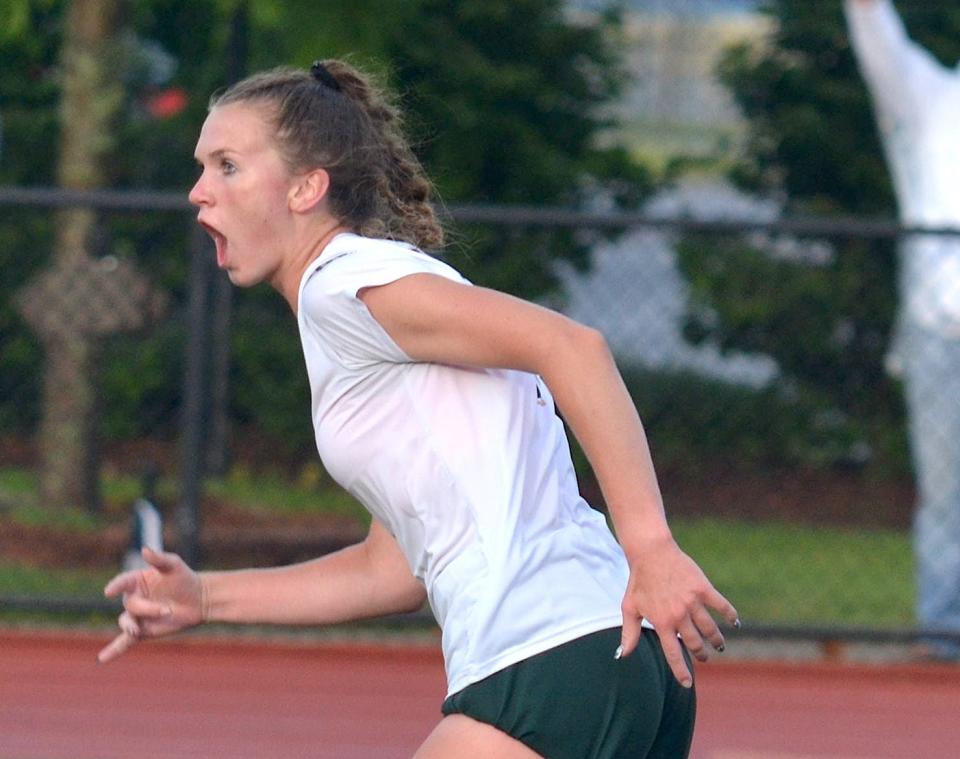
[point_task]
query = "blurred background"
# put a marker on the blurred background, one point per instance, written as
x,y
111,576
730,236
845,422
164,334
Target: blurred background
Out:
x,y
703,181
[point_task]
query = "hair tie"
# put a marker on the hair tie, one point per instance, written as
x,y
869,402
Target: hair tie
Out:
x,y
322,74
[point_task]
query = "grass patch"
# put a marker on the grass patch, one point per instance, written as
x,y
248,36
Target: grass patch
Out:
x,y
774,572
32,514
18,579
17,483
311,494
37,582
789,574
20,501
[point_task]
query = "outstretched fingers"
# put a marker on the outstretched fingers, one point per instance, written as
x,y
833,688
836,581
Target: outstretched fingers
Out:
x,y
708,630
142,607
693,640
673,653
161,599
694,632
138,607
700,627
668,588
117,647
716,600
129,624
161,561
132,586
130,633
128,582
630,633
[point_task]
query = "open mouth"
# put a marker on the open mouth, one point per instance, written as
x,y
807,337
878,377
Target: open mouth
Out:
x,y
219,240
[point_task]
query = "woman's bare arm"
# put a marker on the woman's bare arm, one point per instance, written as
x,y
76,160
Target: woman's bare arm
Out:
x,y
361,581
369,579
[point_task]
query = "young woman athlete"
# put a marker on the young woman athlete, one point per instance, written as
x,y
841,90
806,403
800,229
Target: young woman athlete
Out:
x,y
433,404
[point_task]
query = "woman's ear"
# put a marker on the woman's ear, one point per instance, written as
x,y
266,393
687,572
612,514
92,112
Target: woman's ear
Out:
x,y
309,190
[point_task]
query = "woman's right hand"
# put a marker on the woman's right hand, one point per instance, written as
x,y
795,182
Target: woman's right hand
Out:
x,y
162,599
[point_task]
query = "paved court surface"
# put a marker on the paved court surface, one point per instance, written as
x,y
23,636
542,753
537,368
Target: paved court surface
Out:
x,y
251,699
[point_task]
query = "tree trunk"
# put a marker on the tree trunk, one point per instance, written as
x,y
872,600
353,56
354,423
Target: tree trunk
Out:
x,y
68,446
90,100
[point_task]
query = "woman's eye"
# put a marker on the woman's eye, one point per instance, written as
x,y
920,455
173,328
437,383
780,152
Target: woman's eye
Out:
x,y
227,167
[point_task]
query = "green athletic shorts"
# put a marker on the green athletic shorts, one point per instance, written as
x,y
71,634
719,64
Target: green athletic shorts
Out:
x,y
576,701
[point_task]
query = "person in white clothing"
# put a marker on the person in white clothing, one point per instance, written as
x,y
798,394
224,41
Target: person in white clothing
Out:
x,y
917,103
433,404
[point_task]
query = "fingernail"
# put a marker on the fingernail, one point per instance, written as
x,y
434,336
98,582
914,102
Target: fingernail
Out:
x,y
687,682
721,648
167,611
618,653
736,623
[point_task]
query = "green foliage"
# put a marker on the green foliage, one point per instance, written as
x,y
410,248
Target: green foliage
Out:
x,y
268,375
691,419
29,83
140,380
826,324
29,92
23,237
297,32
813,141
812,132
511,114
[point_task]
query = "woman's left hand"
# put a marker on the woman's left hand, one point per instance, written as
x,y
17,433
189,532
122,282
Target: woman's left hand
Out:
x,y
668,589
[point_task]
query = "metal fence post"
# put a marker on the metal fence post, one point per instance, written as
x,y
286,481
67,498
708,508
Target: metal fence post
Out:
x,y
195,404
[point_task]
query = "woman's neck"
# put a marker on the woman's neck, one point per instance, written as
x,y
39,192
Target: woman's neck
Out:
x,y
288,277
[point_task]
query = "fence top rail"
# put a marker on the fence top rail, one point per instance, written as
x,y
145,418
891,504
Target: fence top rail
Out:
x,y
509,215
109,200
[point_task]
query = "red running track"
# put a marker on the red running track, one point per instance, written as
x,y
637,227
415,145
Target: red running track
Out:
x,y
253,700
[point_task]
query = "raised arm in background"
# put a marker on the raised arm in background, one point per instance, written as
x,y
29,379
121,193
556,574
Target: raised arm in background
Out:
x,y
901,74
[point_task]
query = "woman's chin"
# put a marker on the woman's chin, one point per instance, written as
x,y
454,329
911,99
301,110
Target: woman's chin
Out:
x,y
236,276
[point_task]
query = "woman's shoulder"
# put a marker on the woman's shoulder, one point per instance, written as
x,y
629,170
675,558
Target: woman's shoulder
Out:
x,y
350,256
350,250
351,262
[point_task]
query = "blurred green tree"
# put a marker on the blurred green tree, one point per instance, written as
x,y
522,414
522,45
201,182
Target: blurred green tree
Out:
x,y
824,313
507,102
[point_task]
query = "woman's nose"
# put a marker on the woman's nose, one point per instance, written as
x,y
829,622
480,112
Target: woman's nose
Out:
x,y
199,195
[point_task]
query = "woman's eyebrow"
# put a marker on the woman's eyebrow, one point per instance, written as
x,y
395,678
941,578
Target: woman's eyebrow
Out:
x,y
213,155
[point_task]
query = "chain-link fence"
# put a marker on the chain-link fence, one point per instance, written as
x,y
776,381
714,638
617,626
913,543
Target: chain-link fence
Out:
x,y
769,359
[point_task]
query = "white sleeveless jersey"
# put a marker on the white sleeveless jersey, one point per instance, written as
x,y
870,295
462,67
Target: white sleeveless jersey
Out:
x,y
469,470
